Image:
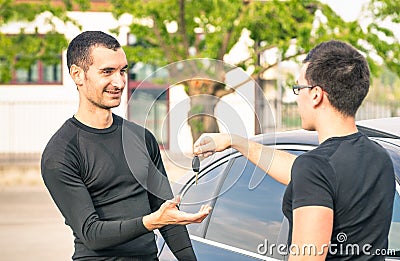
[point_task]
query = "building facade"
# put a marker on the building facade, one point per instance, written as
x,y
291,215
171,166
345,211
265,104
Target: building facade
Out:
x,y
39,100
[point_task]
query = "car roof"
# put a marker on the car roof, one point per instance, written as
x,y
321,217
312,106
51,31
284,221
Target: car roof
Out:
x,y
285,137
288,137
298,137
383,127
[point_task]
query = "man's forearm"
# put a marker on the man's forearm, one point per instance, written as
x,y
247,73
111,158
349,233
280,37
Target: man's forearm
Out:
x,y
150,222
177,238
276,163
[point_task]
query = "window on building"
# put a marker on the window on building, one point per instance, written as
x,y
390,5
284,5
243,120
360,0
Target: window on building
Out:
x,y
38,73
149,107
32,59
146,72
149,100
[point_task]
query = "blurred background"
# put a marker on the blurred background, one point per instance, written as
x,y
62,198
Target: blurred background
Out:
x,y
250,53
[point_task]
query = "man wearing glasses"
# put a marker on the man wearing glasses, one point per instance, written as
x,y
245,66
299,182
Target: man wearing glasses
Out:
x,y
339,196
296,88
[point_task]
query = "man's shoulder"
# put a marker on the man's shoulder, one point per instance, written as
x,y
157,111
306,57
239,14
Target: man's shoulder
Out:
x,y
313,162
138,130
372,145
345,145
319,154
133,126
362,144
63,136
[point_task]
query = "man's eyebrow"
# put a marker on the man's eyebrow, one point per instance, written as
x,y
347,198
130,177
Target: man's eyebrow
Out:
x,y
107,69
112,68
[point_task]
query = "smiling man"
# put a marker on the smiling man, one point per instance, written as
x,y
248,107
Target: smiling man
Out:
x,y
111,210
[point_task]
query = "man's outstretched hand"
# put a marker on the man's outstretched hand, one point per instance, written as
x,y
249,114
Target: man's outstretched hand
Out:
x,y
209,143
169,214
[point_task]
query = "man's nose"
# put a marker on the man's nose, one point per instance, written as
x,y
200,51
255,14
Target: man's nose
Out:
x,y
119,80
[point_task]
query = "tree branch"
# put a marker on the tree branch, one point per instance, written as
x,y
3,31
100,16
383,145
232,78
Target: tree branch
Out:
x,y
228,35
182,27
221,93
166,49
261,50
286,58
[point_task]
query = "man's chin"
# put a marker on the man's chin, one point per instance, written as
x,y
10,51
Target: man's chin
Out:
x,y
115,106
110,106
307,127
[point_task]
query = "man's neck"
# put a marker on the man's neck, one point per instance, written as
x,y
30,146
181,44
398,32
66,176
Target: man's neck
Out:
x,y
98,119
336,126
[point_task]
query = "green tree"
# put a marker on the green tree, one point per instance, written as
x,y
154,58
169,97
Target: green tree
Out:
x,y
21,50
385,91
210,28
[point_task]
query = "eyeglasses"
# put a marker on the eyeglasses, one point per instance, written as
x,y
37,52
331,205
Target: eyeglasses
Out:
x,y
296,88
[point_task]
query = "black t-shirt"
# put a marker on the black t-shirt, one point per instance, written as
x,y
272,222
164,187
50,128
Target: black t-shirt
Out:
x,y
104,181
354,177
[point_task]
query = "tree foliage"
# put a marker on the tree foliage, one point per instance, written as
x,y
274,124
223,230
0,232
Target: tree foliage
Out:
x,y
173,30
210,28
23,49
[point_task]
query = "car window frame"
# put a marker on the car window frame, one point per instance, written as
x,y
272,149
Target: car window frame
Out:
x,y
204,224
230,158
237,248
390,145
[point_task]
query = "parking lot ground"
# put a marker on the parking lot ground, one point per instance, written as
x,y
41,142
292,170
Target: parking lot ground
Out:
x,y
31,227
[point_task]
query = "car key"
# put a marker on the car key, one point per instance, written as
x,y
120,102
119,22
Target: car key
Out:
x,y
196,166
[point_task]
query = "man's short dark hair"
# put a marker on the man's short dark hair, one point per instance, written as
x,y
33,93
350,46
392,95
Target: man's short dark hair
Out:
x,y
79,50
341,71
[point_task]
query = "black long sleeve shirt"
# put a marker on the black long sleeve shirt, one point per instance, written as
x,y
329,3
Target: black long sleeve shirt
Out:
x,y
104,181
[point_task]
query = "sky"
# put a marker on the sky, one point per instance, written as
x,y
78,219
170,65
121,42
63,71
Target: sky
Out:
x,y
349,10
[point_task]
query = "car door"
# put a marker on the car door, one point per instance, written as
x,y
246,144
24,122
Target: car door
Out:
x,y
246,221
247,218
238,225
393,252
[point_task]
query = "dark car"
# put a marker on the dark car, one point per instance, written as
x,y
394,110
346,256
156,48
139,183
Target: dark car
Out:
x,y
247,221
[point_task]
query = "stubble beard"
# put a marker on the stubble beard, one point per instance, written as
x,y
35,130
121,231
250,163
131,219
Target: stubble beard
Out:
x,y
102,105
98,104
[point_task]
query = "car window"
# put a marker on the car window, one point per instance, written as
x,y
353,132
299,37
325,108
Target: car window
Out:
x,y
202,193
394,233
245,217
395,156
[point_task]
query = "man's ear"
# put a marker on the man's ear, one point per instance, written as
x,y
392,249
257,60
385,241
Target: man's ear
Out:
x,y
77,74
317,95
